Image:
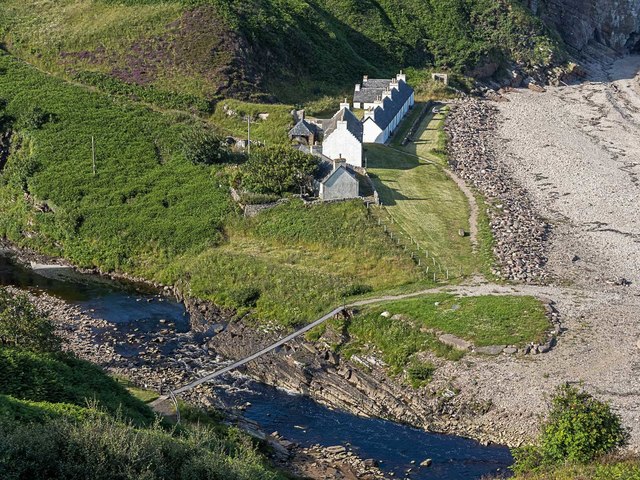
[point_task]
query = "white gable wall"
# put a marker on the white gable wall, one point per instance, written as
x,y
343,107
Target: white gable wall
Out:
x,y
372,133
342,143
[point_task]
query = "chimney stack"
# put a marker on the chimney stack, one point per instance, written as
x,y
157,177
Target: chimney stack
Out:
x,y
345,104
365,79
401,76
358,87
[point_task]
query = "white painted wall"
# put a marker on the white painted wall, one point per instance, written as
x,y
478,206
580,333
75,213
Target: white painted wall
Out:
x,y
342,143
372,133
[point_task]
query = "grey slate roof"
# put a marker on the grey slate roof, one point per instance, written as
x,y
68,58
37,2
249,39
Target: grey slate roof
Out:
x,y
345,115
303,129
333,171
371,90
391,106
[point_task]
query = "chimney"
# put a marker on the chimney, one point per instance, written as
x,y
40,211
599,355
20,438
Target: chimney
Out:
x,y
394,83
358,87
365,79
377,103
386,94
401,76
345,104
337,162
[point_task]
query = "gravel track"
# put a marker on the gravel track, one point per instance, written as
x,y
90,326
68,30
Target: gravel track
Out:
x,y
576,152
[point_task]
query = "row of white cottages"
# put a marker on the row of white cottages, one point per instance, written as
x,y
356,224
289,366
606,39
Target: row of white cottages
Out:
x,y
385,103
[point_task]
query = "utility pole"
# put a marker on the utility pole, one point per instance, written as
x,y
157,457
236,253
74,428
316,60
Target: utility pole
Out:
x,y
249,134
93,154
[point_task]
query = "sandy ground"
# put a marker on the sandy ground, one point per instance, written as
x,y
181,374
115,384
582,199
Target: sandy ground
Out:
x,y
577,151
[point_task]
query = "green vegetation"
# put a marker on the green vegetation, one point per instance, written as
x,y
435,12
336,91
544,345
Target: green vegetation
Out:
x,y
21,326
484,320
410,331
277,170
63,418
607,468
300,258
578,440
423,201
151,211
253,49
579,429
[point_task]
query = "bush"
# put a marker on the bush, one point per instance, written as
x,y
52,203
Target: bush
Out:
x,y
357,289
245,296
201,147
277,169
22,326
579,429
420,373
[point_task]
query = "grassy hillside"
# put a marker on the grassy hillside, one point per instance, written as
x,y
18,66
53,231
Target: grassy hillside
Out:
x,y
256,49
150,212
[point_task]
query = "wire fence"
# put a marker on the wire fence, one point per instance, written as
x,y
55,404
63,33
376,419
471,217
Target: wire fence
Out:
x,y
429,264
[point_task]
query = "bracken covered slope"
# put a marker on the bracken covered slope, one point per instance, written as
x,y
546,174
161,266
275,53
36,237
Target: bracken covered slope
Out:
x,y
288,49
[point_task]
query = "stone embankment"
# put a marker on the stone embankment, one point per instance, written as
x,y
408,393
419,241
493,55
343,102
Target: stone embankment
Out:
x,y
520,236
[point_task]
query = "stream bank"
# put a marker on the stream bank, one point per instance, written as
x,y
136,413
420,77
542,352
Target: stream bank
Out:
x,y
153,344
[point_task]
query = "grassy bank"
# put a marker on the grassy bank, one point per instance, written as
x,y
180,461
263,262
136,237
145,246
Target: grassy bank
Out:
x,y
410,329
424,202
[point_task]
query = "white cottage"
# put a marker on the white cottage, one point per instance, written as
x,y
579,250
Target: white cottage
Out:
x,y
386,103
343,137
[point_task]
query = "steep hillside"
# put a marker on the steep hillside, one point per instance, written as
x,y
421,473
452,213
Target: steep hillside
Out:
x,y
609,22
259,49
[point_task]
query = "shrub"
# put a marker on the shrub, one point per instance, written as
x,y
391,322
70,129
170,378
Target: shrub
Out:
x,y
277,169
579,429
245,296
202,147
35,118
357,289
22,326
420,373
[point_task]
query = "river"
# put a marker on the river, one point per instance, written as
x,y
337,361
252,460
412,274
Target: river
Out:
x,y
136,310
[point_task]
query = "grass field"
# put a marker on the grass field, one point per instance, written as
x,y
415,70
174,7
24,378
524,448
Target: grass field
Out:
x,y
483,320
424,201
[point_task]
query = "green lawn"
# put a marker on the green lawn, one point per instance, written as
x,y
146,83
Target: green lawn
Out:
x,y
425,203
483,320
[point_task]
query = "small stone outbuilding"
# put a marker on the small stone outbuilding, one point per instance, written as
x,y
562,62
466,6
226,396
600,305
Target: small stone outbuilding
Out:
x,y
339,184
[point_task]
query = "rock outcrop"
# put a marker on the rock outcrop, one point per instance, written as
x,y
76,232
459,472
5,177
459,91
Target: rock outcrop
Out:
x,y
613,23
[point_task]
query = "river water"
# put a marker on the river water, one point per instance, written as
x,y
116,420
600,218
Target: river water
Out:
x,y
132,308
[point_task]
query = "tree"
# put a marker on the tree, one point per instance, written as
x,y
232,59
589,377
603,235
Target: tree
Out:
x,y
277,169
22,326
203,147
579,428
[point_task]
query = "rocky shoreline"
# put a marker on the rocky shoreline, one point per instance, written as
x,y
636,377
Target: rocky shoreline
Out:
x,y
520,245
95,340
